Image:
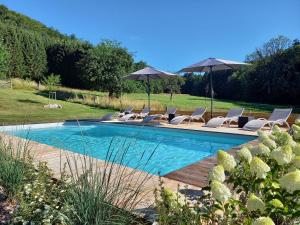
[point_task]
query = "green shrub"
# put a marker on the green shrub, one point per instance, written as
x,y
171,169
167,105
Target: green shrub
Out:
x,y
24,84
42,200
172,208
264,183
51,82
104,193
13,165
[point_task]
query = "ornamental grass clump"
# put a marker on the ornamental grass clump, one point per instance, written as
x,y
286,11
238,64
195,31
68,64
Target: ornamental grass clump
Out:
x,y
261,187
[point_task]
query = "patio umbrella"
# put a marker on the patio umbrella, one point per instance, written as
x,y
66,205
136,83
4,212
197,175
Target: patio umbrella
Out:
x,y
146,74
210,65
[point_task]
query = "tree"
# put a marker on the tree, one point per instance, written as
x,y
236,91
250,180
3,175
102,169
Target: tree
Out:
x,y
173,85
272,47
103,67
3,60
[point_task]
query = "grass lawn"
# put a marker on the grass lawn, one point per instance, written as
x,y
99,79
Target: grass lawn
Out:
x,y
26,106
183,102
186,102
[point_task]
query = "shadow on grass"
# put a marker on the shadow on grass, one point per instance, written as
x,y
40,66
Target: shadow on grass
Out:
x,y
67,96
29,101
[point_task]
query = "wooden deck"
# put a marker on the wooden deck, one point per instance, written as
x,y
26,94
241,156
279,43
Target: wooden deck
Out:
x,y
196,174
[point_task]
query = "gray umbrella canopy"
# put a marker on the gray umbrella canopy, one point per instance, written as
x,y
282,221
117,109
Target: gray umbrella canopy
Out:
x,y
213,64
147,74
210,65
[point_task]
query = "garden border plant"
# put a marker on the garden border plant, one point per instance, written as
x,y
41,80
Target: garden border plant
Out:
x,y
259,186
86,193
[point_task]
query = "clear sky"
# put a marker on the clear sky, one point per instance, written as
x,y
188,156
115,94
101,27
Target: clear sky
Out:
x,y
171,34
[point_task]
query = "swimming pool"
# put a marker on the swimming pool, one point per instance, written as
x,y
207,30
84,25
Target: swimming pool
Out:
x,y
151,149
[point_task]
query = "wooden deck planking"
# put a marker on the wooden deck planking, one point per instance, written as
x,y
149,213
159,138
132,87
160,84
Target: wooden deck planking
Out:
x,y
197,173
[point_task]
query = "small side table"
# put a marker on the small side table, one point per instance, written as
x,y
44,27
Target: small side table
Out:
x,y
243,120
171,116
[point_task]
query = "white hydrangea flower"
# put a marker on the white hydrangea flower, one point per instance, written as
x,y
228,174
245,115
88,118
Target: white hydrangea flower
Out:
x,y
283,155
291,181
217,173
284,138
259,168
260,149
296,149
226,160
219,191
244,153
296,162
263,221
296,131
276,130
266,140
276,203
255,203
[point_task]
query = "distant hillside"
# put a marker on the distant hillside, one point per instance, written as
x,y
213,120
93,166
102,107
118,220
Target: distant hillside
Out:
x,y
27,42
13,18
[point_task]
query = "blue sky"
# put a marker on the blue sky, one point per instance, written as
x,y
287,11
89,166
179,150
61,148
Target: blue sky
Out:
x,y
171,34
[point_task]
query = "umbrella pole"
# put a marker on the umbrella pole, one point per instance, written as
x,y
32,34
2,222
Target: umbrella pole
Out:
x,y
148,91
211,93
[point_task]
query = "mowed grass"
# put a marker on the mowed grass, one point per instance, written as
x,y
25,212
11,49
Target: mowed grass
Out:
x,y
184,102
26,106
19,106
188,102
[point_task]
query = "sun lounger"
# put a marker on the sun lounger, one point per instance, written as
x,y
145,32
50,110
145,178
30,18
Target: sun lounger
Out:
x,y
151,118
107,117
196,115
170,110
126,111
126,117
143,113
278,117
232,116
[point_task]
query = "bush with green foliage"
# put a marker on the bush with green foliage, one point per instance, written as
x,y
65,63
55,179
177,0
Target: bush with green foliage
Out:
x,y
261,185
51,82
43,199
13,165
86,193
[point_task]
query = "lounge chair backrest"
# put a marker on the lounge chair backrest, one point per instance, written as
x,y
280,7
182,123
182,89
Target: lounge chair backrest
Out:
x,y
235,112
107,117
128,110
145,110
171,110
199,111
280,114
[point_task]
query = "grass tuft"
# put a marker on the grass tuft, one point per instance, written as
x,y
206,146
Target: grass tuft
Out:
x,y
14,158
105,192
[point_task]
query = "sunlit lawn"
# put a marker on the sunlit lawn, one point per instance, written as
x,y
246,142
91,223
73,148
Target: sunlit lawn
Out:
x,y
24,106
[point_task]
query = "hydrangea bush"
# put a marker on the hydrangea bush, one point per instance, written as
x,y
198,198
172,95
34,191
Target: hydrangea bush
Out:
x,y
259,186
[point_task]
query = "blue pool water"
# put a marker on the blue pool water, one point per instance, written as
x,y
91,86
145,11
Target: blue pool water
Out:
x,y
154,150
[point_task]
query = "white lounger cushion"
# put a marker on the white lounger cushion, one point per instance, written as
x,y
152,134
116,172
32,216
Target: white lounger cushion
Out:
x,y
231,116
126,117
178,119
278,117
216,122
150,118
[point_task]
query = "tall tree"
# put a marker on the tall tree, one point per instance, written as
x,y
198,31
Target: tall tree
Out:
x,y
104,66
3,60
